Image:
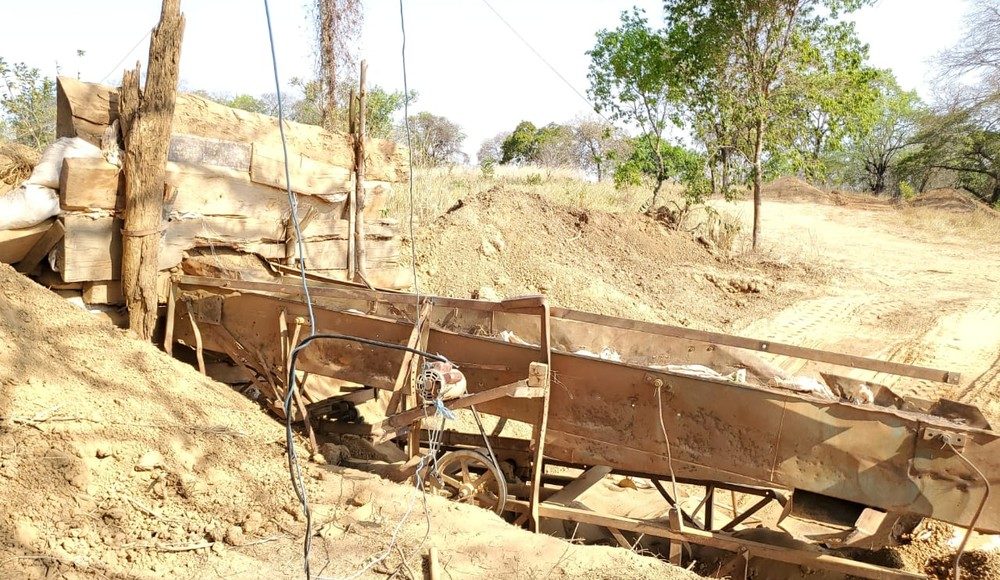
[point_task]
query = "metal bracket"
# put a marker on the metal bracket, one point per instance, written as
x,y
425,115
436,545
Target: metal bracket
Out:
x,y
957,440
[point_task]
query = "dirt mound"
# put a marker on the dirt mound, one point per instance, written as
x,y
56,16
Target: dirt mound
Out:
x,y
954,200
794,189
114,456
505,243
118,461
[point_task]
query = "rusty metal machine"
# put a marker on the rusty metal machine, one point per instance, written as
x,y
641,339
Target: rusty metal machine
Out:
x,y
603,395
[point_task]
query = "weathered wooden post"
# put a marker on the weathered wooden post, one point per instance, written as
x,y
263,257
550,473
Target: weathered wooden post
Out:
x,y
359,183
146,118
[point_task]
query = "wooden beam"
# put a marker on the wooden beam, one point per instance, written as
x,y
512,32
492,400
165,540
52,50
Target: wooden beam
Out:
x,y
407,417
41,248
86,183
579,485
817,559
801,352
146,120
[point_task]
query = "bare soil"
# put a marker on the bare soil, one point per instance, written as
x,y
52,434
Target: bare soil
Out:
x,y
627,265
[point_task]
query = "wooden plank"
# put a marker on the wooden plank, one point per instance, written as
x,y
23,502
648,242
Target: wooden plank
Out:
x,y
308,176
42,247
380,276
209,151
817,560
812,354
407,417
578,486
15,244
224,191
86,183
103,292
84,109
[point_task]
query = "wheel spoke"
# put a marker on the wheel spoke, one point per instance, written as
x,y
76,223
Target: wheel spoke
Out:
x,y
484,479
451,481
465,471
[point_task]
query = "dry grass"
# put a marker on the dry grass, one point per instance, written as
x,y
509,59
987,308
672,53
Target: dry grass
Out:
x,y
16,162
436,190
934,223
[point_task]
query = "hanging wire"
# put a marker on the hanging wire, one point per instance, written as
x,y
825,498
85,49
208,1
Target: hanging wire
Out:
x,y
294,469
409,153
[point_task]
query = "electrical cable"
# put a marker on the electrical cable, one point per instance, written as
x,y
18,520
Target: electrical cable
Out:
x,y
127,54
546,62
294,469
670,459
975,517
409,153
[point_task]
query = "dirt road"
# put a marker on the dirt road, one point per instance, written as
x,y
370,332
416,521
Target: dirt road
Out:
x,y
900,284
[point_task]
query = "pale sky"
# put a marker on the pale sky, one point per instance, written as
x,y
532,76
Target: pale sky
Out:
x,y
464,62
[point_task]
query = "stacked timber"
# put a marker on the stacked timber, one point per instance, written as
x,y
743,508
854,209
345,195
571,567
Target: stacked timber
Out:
x,y
225,192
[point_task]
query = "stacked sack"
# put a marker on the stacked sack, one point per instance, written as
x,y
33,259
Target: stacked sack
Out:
x,y
37,199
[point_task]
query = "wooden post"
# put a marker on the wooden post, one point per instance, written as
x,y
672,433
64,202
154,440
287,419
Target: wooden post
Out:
x,y
146,118
359,183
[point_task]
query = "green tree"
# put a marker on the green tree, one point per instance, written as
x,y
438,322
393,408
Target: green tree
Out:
x,y
876,150
27,104
630,81
753,46
832,96
521,145
672,163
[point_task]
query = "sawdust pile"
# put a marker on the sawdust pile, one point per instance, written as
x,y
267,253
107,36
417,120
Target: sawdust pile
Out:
x,y
118,461
932,551
795,189
505,243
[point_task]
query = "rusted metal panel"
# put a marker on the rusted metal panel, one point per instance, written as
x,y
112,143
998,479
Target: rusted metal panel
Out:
x,y
607,413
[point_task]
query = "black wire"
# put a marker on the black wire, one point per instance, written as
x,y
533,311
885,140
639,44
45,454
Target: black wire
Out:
x,y
409,153
294,469
293,464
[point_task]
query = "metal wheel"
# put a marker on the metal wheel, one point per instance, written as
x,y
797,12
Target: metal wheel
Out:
x,y
470,477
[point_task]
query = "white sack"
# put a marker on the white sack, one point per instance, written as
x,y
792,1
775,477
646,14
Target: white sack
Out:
x,y
27,205
50,165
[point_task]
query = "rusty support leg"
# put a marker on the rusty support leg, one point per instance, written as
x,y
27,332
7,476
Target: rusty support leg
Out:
x,y
198,349
288,343
709,506
541,423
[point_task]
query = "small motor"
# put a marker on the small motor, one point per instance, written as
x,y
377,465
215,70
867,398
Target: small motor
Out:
x,y
441,380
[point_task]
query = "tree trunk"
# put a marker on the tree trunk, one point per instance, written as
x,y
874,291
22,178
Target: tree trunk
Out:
x,y
328,61
758,146
725,172
146,119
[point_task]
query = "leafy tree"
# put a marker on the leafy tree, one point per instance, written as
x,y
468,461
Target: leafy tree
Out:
x,y
435,140
380,109
957,140
27,104
672,163
629,80
832,95
754,46
963,135
521,145
877,149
